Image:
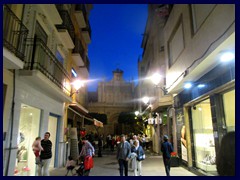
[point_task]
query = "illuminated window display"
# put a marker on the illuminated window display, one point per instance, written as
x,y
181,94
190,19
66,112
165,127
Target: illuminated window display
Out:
x,y
205,154
28,131
229,110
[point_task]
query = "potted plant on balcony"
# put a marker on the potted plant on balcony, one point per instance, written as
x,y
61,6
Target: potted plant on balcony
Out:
x,y
174,159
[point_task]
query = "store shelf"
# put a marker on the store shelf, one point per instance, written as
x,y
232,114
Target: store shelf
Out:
x,y
211,149
206,167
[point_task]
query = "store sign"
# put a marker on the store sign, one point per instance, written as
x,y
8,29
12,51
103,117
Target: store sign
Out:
x,y
150,120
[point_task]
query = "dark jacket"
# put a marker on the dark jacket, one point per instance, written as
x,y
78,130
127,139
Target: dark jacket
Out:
x,y
139,151
47,149
166,149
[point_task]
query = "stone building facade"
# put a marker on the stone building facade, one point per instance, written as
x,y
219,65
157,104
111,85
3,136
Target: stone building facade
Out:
x,y
113,97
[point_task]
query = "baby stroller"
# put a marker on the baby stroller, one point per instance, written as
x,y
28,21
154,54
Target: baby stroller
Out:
x,y
80,170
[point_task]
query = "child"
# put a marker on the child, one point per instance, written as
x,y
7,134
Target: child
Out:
x,y
70,165
37,148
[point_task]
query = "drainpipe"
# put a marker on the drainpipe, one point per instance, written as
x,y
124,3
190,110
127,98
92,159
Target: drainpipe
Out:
x,y
11,125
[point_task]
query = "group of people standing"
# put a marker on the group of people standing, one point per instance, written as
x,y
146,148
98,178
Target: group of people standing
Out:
x,y
130,151
134,152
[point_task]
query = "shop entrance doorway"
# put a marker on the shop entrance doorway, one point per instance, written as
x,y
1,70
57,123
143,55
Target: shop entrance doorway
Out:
x,y
52,128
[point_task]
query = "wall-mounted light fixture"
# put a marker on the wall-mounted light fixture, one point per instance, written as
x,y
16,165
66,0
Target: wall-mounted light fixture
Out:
x,y
77,84
145,100
156,78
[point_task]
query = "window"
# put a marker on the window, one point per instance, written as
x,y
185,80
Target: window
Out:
x,y
204,143
199,13
74,73
229,110
59,57
176,43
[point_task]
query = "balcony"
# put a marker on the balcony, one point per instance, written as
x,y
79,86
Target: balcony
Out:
x,y
78,53
66,29
81,15
84,70
14,35
44,71
87,33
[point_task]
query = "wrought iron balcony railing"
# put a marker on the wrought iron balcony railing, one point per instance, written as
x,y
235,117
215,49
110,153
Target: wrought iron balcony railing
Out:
x,y
81,7
78,47
67,22
40,57
14,33
88,28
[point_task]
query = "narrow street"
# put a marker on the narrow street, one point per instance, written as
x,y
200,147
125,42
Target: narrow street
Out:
x,y
108,166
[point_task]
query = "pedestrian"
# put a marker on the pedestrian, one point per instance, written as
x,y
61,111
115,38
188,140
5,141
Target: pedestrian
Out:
x,y
100,145
70,165
113,143
166,149
225,160
86,153
46,155
140,156
37,148
123,155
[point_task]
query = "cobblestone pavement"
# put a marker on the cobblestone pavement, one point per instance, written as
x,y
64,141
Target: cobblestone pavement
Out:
x,y
108,166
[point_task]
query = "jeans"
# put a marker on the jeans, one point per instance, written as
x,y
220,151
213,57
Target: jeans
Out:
x,y
167,164
123,163
43,167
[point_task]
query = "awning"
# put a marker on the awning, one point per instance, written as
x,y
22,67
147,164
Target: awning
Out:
x,y
97,123
82,112
79,107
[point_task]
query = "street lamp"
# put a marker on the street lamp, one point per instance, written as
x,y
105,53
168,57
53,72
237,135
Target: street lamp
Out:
x,y
77,84
136,113
156,78
145,99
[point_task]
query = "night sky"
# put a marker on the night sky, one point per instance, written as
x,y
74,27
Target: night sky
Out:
x,y
116,40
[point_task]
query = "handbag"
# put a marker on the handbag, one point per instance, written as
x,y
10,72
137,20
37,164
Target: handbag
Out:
x,y
88,162
141,157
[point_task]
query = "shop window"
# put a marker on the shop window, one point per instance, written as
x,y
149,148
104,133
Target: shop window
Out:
x,y
229,110
205,154
28,131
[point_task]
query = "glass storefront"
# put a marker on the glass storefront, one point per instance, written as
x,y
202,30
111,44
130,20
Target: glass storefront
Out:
x,y
28,131
229,110
205,155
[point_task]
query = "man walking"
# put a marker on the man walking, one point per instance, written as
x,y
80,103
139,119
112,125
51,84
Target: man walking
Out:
x,y
166,150
45,156
123,155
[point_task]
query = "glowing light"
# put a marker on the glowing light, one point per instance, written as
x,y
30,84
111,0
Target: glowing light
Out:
x,y
145,99
227,56
156,78
201,85
78,84
187,85
136,113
